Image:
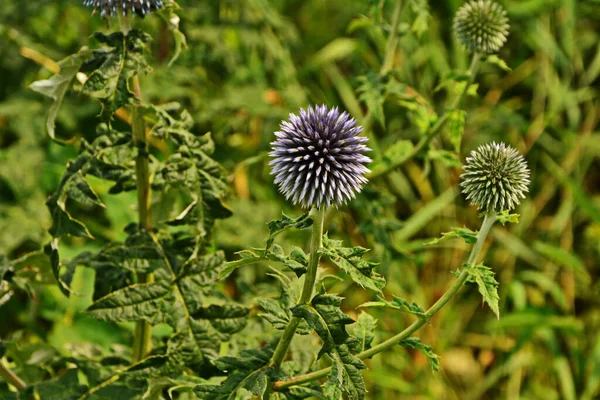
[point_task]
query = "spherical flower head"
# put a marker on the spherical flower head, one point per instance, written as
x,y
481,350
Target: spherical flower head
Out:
x,y
124,7
481,26
496,178
318,157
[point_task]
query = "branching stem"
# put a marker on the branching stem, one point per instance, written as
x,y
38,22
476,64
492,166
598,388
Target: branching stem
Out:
x,y
436,128
11,377
142,339
486,226
316,242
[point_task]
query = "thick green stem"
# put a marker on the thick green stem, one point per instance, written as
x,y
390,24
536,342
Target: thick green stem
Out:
x,y
436,128
125,23
486,226
11,377
316,242
142,341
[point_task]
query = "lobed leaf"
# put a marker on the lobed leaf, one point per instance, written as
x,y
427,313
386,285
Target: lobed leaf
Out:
x,y
329,322
152,302
364,331
456,233
350,260
57,86
279,225
426,350
114,66
248,371
397,304
486,283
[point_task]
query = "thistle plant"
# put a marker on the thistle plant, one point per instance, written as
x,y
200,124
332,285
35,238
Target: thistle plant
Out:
x,y
166,269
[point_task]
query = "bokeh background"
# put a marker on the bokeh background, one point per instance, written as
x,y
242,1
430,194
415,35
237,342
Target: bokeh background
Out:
x,y
250,63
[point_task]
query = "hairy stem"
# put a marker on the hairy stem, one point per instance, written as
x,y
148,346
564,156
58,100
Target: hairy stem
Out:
x,y
486,226
11,377
436,128
316,242
142,339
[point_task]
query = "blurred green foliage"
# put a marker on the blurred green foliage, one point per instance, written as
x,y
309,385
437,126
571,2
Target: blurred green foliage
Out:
x,y
251,62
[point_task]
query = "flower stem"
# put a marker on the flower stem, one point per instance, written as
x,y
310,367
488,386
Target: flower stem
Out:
x,y
316,242
11,377
142,342
486,226
142,339
436,128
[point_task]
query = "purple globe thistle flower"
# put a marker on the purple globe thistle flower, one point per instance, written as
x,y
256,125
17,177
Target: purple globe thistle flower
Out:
x,y
318,157
114,7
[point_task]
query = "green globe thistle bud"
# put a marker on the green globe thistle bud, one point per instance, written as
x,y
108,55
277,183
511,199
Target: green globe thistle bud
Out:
x,y
496,178
481,26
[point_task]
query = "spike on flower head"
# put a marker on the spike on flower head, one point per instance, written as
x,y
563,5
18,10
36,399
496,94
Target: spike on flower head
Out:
x,y
481,26
124,7
496,178
318,157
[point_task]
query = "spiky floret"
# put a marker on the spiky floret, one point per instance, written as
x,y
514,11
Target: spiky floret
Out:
x,y
481,26
318,157
496,177
124,7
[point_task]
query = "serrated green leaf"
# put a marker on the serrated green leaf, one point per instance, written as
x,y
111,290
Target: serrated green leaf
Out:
x,y
123,59
65,387
199,300
138,254
79,190
505,217
248,371
486,283
278,311
427,351
296,261
173,386
456,233
350,260
329,322
167,13
397,304
62,222
279,225
225,318
497,61
57,86
364,331
151,302
247,257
